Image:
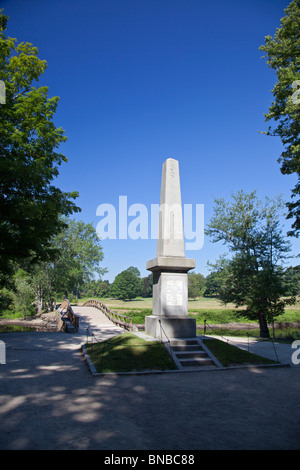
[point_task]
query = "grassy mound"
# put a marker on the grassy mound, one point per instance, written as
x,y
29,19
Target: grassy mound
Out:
x,y
128,353
230,355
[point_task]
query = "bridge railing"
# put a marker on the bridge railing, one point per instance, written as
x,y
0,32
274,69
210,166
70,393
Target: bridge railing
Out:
x,y
68,316
116,318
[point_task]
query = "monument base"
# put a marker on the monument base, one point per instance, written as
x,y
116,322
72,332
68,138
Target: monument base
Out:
x,y
173,327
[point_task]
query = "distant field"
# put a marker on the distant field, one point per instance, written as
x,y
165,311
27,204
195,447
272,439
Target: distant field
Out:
x,y
201,309
198,304
140,302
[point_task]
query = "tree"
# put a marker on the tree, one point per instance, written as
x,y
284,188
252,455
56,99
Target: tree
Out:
x,y
96,288
253,276
30,205
78,257
215,279
127,285
103,289
23,294
196,285
283,55
291,278
147,286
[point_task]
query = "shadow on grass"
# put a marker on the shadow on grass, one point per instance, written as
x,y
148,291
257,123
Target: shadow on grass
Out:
x,y
128,353
230,355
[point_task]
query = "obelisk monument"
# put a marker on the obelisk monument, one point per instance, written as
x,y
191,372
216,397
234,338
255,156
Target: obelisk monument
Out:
x,y
170,279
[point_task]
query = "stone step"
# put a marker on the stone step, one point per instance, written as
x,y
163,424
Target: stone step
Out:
x,y
189,347
191,354
183,342
196,362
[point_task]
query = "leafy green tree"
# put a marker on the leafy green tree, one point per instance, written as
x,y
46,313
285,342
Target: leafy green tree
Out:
x,y
96,288
147,285
253,276
127,285
30,205
283,55
215,279
23,294
78,260
103,289
196,285
291,278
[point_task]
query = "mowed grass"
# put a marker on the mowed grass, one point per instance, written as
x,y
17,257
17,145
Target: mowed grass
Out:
x,y
141,302
230,355
129,353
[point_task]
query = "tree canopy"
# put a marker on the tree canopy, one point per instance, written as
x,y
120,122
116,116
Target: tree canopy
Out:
x,y
30,205
196,285
79,254
283,55
127,285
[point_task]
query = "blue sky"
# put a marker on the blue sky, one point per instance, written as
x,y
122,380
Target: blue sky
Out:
x,y
140,81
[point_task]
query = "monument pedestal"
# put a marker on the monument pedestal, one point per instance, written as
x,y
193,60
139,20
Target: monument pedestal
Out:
x,y
165,328
170,299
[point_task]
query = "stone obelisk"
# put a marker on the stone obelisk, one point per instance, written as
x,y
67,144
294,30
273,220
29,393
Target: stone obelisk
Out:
x,y
170,279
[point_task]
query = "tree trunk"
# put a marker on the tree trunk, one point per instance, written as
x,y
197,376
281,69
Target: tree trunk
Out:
x,y
263,326
38,301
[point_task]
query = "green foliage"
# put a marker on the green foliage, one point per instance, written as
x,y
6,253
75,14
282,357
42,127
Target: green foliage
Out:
x,y
127,352
5,299
196,285
23,295
216,316
79,254
253,276
283,55
127,285
137,315
291,279
147,285
95,288
213,283
30,206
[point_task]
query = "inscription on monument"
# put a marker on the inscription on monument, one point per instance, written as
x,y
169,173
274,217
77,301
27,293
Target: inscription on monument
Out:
x,y
174,293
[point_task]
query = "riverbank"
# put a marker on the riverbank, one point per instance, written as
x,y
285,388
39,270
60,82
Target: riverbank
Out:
x,y
42,322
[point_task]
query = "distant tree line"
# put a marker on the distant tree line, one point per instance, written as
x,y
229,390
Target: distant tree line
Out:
x,y
128,285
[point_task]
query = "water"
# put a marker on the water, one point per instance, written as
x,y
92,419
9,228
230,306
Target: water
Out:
x,y
20,328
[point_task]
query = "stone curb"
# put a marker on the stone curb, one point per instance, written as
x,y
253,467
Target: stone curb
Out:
x,y
150,372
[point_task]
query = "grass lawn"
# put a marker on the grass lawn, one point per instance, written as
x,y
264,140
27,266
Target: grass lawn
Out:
x,y
230,355
127,353
141,303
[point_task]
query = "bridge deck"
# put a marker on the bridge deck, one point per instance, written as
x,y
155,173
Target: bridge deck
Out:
x,y
97,322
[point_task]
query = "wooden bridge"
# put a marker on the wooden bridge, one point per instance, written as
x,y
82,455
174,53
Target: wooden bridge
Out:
x,y
120,320
81,318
